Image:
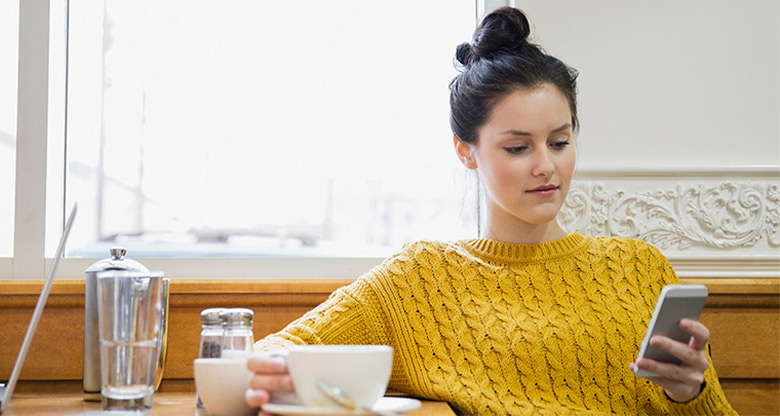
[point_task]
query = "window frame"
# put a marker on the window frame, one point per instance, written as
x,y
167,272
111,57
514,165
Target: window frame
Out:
x,y
35,190
31,145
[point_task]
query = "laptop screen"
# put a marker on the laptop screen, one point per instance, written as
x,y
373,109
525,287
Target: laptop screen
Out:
x,y
7,391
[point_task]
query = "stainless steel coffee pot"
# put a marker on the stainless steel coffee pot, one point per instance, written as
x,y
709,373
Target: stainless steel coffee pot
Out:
x,y
91,376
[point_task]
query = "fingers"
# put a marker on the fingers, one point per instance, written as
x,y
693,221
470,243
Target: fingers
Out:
x,y
690,357
280,383
672,372
700,334
681,382
266,365
677,390
256,398
270,375
692,354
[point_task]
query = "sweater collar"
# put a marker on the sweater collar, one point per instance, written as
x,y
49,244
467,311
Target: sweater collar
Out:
x,y
526,253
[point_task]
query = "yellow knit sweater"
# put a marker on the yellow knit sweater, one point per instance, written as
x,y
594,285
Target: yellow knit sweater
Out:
x,y
497,328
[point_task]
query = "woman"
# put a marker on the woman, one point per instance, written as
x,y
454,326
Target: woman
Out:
x,y
525,319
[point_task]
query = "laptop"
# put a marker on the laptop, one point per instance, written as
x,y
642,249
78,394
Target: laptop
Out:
x,y
7,390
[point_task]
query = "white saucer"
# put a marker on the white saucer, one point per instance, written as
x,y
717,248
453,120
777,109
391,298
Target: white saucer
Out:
x,y
385,404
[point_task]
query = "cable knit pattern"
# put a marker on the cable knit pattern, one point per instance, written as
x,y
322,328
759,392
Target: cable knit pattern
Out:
x,y
497,328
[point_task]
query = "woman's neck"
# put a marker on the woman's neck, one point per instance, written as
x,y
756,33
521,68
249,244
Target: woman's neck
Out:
x,y
524,234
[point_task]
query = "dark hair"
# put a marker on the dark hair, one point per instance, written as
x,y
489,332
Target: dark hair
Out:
x,y
498,61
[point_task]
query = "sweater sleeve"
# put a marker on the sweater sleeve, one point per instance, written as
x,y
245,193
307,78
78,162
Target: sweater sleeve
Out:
x,y
344,318
711,400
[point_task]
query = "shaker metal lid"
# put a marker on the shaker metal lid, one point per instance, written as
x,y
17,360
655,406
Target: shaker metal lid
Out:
x,y
117,261
211,315
237,316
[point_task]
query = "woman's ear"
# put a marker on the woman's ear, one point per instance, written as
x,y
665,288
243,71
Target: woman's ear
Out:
x,y
465,152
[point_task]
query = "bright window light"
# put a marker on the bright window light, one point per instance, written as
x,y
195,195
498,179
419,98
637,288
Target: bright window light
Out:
x,y
263,128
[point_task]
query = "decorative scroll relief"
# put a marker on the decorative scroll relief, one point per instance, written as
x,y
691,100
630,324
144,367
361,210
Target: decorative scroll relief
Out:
x,y
719,216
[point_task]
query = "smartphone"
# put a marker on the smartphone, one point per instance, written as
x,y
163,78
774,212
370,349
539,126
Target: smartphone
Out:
x,y
674,303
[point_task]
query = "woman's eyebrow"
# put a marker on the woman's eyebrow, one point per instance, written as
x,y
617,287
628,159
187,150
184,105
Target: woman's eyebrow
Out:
x,y
566,126
514,132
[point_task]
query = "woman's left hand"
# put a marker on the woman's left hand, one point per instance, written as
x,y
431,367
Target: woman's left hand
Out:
x,y
681,382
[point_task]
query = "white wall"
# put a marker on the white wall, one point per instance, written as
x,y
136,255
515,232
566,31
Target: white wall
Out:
x,y
670,82
680,139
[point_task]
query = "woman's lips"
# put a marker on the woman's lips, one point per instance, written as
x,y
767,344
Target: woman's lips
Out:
x,y
544,190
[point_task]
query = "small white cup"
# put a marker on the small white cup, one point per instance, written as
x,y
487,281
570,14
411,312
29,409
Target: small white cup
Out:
x,y
362,372
221,383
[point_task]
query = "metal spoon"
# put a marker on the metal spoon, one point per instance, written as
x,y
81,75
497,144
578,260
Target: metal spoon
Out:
x,y
335,394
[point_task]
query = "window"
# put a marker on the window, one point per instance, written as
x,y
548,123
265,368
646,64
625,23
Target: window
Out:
x,y
142,87
263,129
9,45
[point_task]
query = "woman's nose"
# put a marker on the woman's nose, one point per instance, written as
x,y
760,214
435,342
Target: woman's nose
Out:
x,y
543,164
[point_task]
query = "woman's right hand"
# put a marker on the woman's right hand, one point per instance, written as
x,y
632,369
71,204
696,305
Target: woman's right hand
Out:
x,y
271,376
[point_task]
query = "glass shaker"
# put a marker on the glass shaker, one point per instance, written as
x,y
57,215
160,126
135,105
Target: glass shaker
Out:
x,y
238,329
210,337
211,333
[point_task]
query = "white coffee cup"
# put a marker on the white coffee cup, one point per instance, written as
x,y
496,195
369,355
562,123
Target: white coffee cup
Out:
x,y
362,372
221,383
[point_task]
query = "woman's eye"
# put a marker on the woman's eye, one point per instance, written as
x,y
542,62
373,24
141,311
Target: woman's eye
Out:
x,y
561,144
516,149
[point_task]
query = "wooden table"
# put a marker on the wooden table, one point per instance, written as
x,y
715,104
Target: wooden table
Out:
x,y
65,398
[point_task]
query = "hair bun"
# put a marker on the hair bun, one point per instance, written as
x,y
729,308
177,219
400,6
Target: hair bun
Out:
x,y
502,31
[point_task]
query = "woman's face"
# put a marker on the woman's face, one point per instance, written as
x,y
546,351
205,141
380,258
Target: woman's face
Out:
x,y
525,157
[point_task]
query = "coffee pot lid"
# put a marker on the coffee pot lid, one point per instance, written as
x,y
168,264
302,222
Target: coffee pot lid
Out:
x,y
117,261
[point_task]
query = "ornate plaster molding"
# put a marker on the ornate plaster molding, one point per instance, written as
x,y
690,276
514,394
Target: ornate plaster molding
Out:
x,y
708,225
725,215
